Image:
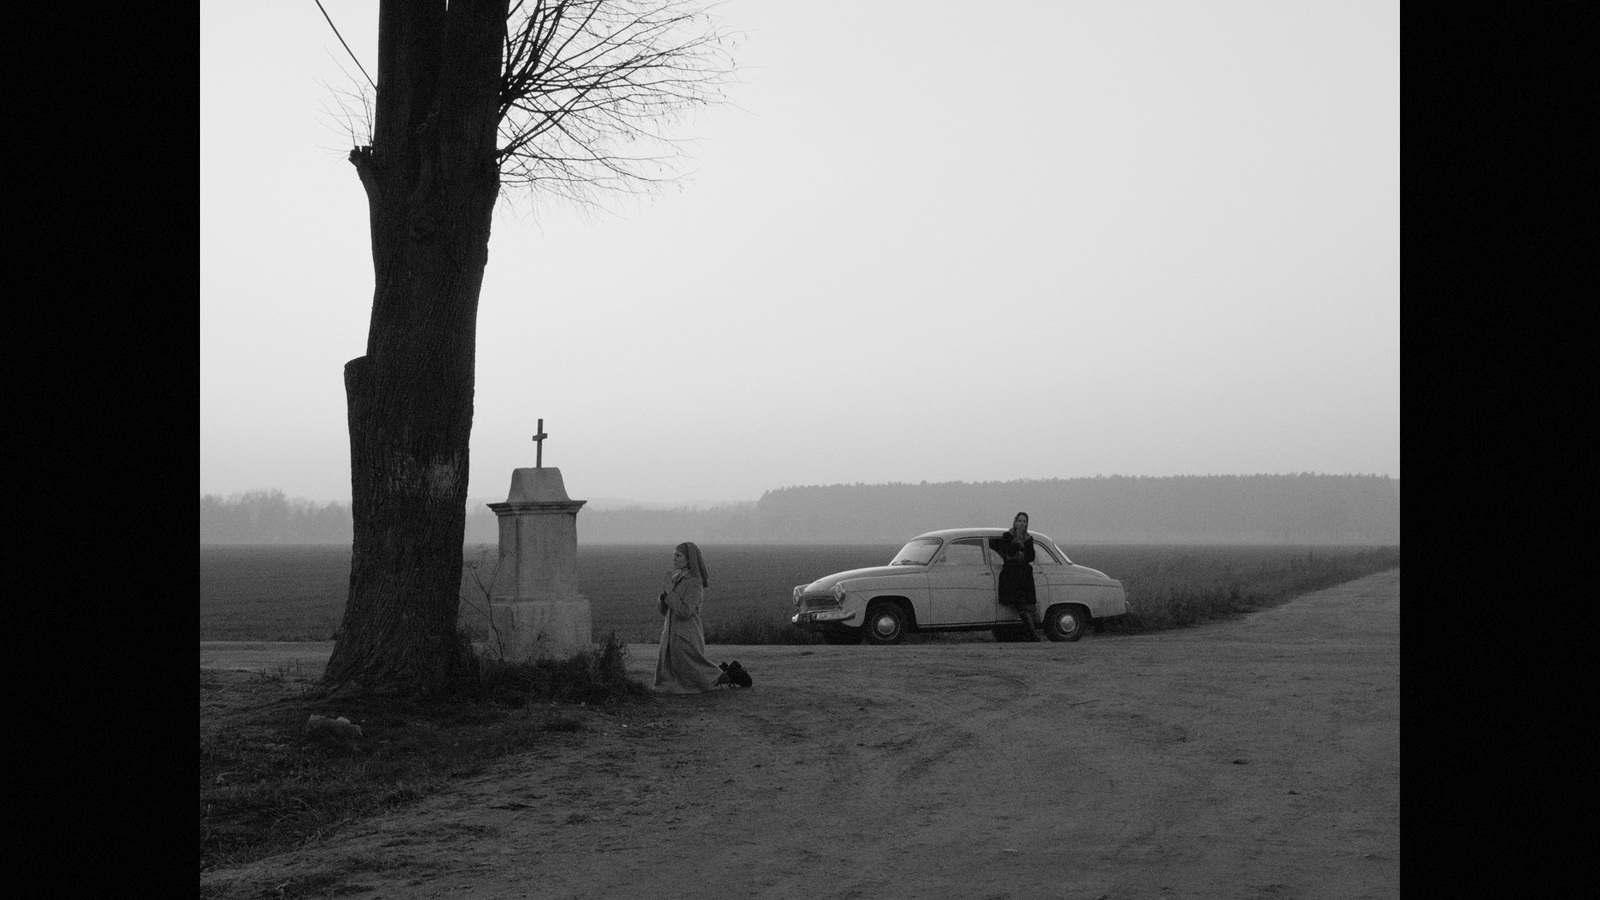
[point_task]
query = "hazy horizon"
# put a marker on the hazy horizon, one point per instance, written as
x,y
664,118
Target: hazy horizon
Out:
x,y
924,242
594,503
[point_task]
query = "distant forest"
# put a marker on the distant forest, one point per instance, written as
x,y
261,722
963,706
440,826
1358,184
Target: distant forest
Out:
x,y
1234,509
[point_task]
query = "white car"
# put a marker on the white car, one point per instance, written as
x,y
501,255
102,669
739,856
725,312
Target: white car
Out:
x,y
949,581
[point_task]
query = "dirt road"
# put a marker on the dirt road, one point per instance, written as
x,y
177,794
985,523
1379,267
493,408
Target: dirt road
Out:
x,y
1253,758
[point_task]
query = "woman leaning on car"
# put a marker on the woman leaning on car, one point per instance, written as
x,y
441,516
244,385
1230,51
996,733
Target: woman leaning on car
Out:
x,y
1016,573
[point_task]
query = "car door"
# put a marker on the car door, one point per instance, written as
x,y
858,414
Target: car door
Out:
x,y
1048,576
961,584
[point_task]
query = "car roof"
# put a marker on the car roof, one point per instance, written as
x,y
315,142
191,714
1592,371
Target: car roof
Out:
x,y
952,533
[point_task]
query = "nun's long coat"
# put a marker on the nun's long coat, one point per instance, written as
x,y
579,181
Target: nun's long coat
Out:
x,y
681,664
1016,572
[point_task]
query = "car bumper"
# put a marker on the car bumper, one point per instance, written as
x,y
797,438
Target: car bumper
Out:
x,y
826,618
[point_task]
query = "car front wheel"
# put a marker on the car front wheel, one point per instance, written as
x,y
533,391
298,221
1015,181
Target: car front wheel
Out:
x,y
1065,623
886,624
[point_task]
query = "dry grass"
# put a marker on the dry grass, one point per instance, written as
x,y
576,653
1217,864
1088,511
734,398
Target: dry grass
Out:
x,y
266,787
297,593
1176,587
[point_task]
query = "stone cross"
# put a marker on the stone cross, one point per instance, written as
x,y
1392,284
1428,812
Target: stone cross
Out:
x,y
535,609
538,443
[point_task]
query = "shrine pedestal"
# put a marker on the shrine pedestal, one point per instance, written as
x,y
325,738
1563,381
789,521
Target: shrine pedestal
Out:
x,y
535,610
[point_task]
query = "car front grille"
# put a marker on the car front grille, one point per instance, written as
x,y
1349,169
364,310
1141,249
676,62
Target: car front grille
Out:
x,y
820,603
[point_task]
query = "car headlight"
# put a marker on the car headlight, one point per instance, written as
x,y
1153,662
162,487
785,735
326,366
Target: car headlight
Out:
x,y
798,590
838,592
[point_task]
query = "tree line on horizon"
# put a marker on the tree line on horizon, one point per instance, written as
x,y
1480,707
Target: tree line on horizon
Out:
x,y
1303,508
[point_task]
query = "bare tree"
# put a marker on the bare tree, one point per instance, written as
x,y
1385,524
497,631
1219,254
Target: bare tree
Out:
x,y
565,98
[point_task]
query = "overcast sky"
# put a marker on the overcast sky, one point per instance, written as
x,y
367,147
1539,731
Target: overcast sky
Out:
x,y
927,241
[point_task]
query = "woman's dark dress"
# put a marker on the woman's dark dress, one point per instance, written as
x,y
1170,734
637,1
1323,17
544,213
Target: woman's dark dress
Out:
x,y
1016,574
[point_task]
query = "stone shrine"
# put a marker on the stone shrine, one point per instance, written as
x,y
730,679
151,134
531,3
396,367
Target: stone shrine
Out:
x,y
535,609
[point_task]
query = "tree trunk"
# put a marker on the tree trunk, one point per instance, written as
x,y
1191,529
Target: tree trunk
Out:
x,y
431,177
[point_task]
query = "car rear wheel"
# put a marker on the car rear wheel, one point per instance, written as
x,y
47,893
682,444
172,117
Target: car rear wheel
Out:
x,y
886,624
1066,622
842,637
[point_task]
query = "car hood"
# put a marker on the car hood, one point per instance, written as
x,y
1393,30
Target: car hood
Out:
x,y
828,581
1085,570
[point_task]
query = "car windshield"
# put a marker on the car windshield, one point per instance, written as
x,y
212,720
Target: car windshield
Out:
x,y
1061,553
916,553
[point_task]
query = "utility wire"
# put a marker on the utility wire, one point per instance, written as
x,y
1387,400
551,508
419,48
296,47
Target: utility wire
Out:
x,y
346,46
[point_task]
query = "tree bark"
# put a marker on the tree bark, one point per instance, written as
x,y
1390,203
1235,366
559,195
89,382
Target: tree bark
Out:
x,y
431,178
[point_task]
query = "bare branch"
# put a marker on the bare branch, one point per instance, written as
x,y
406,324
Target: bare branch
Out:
x,y
589,89
590,86
354,115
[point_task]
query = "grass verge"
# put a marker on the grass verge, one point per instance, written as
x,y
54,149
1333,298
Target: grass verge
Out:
x,y
266,787
755,628
1189,590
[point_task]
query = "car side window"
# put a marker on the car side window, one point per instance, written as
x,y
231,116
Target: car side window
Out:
x,y
968,552
1044,556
